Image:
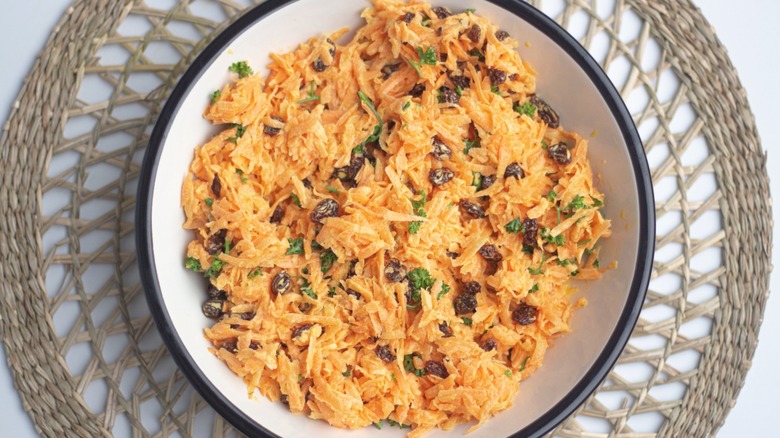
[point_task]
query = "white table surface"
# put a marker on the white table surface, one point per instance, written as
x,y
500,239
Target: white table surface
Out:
x,y
25,26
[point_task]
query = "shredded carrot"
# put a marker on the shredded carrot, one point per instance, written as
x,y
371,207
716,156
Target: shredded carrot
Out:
x,y
390,225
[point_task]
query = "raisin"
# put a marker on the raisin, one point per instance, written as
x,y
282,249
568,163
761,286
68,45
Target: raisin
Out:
x,y
319,66
514,77
213,308
395,271
285,399
465,303
324,209
545,112
281,283
559,153
436,368
254,345
441,12
408,17
440,150
531,229
514,170
524,314
443,57
497,77
472,287
474,33
230,345
216,186
491,268
354,293
501,35
472,209
417,90
389,69
216,294
277,215
461,81
304,307
439,32
300,329
270,130
306,183
487,181
446,95
452,255
490,253
445,330
439,177
488,345
216,243
332,49
385,353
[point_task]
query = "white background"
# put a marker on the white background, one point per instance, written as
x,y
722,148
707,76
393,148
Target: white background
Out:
x,y
745,30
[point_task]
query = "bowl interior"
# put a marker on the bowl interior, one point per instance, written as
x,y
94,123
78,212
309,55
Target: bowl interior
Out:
x,y
561,81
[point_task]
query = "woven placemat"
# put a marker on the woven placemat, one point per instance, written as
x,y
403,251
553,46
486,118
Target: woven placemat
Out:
x,y
86,357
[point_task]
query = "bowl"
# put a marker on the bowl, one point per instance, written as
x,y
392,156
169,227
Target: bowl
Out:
x,y
568,78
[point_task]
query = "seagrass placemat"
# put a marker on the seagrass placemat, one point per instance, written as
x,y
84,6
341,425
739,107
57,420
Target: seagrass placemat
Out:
x,y
85,354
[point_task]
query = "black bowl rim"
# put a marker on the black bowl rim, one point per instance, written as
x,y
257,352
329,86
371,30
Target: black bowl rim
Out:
x,y
628,318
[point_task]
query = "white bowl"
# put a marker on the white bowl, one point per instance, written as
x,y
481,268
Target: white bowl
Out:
x,y
568,78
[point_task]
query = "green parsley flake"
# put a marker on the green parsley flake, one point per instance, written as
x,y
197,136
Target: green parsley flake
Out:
x,y
332,189
377,128
538,270
597,202
215,95
427,57
296,246
476,179
445,289
378,424
406,105
535,288
414,227
241,68
326,260
508,373
478,54
471,144
495,90
551,195
527,109
513,226
310,96
255,273
467,321
409,365
470,10
347,373
193,264
215,269
525,362
295,199
576,204
558,240
209,202
459,91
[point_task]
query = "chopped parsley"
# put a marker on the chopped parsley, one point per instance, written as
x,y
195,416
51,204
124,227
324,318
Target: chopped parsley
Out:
x,y
241,174
528,249
307,290
241,68
227,247
332,292
583,242
495,90
470,10
395,423
576,204
476,179
538,270
296,246
471,144
193,264
459,91
209,202
409,365
527,108
445,289
575,272
597,202
377,128
525,362
551,195
326,260
347,373
420,278
414,227
596,263
467,321
418,206
310,96
508,373
477,53
255,273
564,262
332,189
406,105
215,95
514,226
558,240
545,145
295,199
427,57
534,288
378,424
214,270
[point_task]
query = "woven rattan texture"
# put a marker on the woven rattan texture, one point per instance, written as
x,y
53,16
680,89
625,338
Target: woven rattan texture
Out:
x,y
86,356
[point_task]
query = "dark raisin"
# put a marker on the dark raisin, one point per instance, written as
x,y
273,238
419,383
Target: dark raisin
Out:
x,y
514,170
332,49
385,353
487,181
524,314
452,255
300,329
447,95
465,303
354,293
417,90
488,345
395,271
472,287
474,33
461,81
441,12
545,112
216,243
281,283
497,77
246,316
230,345
531,229
491,268
445,330
254,345
319,66
324,209
213,308
440,150
216,294
501,35
284,399
514,77
559,153
472,209
410,294
408,17
270,130
439,177
277,215
304,307
216,186
351,272
306,183
439,32
436,368
348,173
462,65
490,253
389,69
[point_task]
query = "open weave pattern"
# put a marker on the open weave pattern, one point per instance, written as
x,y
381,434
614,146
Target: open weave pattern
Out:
x,y
84,351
